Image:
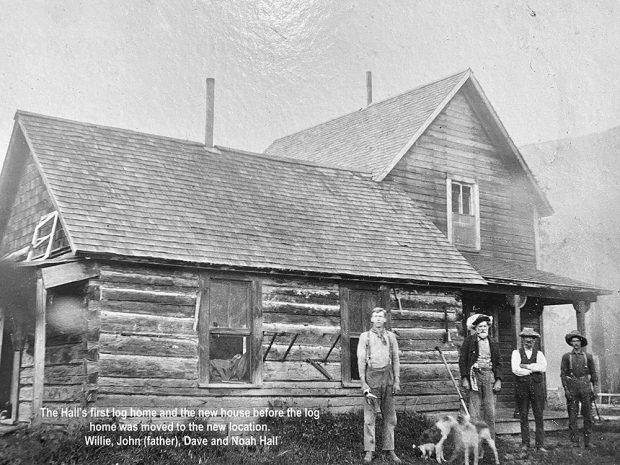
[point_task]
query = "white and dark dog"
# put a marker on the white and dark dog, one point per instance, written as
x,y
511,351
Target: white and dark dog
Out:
x,y
467,435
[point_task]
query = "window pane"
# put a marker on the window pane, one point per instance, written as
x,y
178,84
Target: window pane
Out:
x,y
456,197
218,304
467,200
239,305
229,358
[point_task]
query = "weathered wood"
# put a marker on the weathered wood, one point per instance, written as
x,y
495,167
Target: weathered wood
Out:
x,y
300,352
141,366
140,295
15,377
38,371
433,334
300,319
148,277
144,308
113,343
296,308
65,273
298,370
424,315
310,292
55,393
60,374
300,329
416,372
115,322
58,355
427,356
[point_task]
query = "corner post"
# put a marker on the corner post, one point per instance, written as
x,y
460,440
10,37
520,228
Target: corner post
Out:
x,y
38,382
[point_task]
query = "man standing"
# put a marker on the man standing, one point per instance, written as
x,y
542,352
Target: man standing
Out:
x,y
479,364
528,364
379,368
577,371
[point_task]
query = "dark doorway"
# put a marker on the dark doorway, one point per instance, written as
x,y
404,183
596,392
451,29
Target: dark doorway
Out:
x,y
6,374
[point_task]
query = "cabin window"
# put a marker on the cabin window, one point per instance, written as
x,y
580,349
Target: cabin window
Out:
x,y
463,213
357,305
228,343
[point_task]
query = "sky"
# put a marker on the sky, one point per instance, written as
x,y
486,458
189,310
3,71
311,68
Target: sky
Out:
x,y
549,68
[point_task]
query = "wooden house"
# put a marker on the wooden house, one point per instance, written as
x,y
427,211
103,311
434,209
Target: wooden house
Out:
x,y
151,272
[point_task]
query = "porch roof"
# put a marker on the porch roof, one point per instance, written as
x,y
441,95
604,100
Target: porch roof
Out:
x,y
513,273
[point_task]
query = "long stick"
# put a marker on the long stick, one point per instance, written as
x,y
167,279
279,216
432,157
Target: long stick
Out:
x,y
596,407
458,391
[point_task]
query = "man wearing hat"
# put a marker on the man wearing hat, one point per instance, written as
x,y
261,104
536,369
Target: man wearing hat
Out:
x,y
528,364
577,371
479,364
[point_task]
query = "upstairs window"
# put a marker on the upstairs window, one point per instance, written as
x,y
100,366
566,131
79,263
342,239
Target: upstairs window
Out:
x,y
229,334
463,213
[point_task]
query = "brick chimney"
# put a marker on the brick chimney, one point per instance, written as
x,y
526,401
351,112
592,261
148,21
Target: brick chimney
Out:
x,y
210,106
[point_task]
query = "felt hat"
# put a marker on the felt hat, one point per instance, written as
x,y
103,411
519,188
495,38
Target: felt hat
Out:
x,y
477,318
576,333
528,332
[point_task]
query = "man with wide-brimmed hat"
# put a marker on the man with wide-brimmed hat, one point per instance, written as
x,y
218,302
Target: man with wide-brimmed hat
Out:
x,y
480,364
528,364
578,373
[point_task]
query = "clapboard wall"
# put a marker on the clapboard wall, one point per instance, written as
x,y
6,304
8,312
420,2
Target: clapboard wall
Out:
x,y
456,143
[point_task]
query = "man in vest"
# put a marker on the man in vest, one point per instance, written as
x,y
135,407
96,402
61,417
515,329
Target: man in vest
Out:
x,y
529,364
379,368
479,364
577,372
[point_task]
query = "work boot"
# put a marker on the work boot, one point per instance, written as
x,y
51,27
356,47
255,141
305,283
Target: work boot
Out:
x,y
393,456
368,457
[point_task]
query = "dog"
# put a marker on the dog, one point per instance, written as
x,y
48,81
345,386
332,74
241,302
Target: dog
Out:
x,y
468,435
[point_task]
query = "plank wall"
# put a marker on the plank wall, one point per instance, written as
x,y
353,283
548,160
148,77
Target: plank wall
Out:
x,y
457,144
30,203
141,348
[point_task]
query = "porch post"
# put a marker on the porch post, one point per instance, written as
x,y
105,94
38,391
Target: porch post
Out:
x,y
581,308
518,302
1,329
39,353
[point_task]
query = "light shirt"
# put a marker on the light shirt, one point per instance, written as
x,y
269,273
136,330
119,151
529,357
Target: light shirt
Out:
x,y
484,353
379,351
539,365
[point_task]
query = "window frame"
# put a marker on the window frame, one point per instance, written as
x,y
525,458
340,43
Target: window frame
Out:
x,y
253,332
383,300
474,205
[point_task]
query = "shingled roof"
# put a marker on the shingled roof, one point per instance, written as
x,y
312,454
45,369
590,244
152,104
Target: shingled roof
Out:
x,y
373,139
133,195
370,138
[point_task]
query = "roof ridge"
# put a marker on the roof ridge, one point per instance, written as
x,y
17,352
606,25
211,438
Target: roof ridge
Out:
x,y
103,126
468,70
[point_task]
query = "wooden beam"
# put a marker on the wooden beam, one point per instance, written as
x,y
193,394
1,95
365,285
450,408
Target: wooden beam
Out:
x,y
39,353
66,273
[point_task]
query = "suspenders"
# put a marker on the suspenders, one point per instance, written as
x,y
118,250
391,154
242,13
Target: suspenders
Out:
x,y
368,346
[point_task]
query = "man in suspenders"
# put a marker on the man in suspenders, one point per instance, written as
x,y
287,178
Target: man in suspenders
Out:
x,y
379,368
577,371
528,364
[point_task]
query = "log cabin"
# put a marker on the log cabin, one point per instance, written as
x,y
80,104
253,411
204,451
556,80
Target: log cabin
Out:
x,y
149,272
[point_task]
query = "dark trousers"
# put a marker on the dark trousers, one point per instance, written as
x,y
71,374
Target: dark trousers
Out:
x,y
580,393
530,392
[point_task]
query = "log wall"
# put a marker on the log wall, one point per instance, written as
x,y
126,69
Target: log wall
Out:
x,y
139,347
456,143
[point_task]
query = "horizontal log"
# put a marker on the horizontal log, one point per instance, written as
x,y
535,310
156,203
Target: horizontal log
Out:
x,y
427,344
422,333
145,308
58,355
141,366
115,322
65,273
299,351
144,277
296,370
425,315
300,329
139,295
415,372
297,308
300,319
428,356
55,393
113,343
311,292
59,374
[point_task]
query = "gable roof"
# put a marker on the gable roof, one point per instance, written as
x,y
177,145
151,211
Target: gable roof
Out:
x,y
374,139
139,196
